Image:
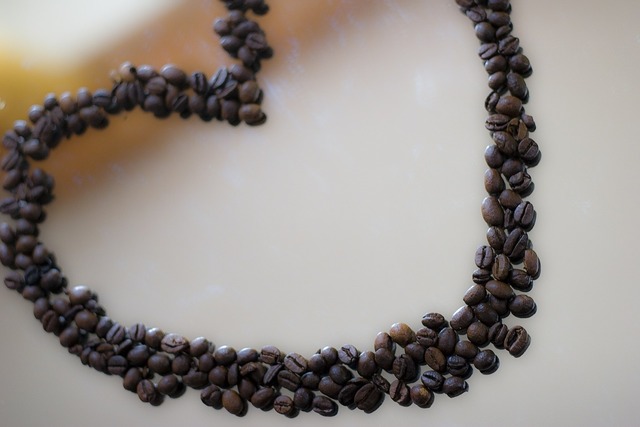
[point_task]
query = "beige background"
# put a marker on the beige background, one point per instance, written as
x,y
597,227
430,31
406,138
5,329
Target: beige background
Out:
x,y
355,206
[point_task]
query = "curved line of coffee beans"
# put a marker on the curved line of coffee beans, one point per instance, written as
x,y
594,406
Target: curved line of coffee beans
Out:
x,y
154,364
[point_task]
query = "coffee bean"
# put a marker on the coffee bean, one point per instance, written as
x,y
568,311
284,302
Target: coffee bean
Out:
x,y
486,362
517,341
499,289
476,14
368,398
474,295
399,393
421,396
366,365
263,397
324,406
384,358
170,385
340,374
348,355
529,151
174,343
426,337
131,379
478,334
466,349
404,368
435,321
509,45
288,380
329,387
525,215
502,267
432,380
270,355
436,360
295,363
462,318
531,263
522,306
485,32
515,244
521,280
497,334
454,386
86,320
212,396
232,402
492,212
153,338
401,334
485,312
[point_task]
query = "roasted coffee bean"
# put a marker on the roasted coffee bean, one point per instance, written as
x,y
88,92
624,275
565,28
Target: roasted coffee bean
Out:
x,y
474,295
517,341
368,398
245,355
270,355
426,337
218,376
399,393
195,379
138,355
251,114
329,387
116,334
416,352
310,380
509,105
485,313
263,397
497,334
7,255
492,212
529,151
340,374
401,334
317,363
497,81
466,349
499,289
330,355
383,340
521,280
525,215
295,363
493,182
366,365
432,380
486,362
86,320
485,32
506,144
510,199
404,368
212,396
435,321
421,396
137,332
40,307
384,358
233,374
69,336
500,306
447,339
288,380
509,45
170,385
454,386
232,402
435,359
348,355
476,14
522,306
147,391
324,406
131,379
487,50
153,338
531,263
199,346
511,167
478,333
270,376
515,244
502,267
462,318
159,363
173,75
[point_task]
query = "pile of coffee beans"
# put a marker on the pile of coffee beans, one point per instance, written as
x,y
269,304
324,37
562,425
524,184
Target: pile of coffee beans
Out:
x,y
409,365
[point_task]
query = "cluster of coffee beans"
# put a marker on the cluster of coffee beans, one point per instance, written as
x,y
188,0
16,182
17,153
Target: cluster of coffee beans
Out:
x,y
156,365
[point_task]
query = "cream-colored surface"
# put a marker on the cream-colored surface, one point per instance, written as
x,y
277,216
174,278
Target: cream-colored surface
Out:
x,y
355,206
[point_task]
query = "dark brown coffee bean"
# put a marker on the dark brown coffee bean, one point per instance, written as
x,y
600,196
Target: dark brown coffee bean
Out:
x,y
421,396
399,393
426,337
486,362
383,340
368,398
86,320
502,267
509,45
497,82
153,338
270,355
517,341
159,363
478,334
493,182
432,380
492,212
466,349
401,334
174,344
454,386
329,387
288,380
515,244
317,363
263,397
531,263
212,396
348,354
404,368
232,402
295,363
447,339
384,358
146,391
522,306
199,346
485,32
170,385
233,374
436,360
340,374
497,334
416,352
435,321
366,365
131,379
218,376
462,318
485,313
138,355
324,406
510,199
521,280
474,295
499,289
